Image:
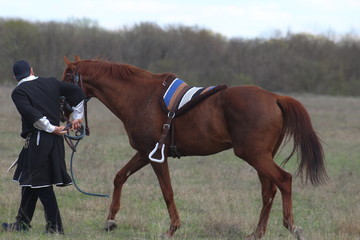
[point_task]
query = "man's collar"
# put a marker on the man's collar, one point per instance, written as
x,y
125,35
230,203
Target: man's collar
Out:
x,y
27,79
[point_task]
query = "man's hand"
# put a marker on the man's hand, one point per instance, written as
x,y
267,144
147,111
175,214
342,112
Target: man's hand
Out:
x,y
76,124
59,130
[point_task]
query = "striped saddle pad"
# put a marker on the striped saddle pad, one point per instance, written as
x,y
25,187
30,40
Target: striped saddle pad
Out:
x,y
179,95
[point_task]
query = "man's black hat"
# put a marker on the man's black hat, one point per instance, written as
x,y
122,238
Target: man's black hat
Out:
x,y
21,69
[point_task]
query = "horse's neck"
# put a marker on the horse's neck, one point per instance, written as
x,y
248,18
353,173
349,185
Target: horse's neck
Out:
x,y
124,98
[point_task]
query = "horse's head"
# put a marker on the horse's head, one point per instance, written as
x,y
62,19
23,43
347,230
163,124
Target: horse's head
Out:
x,y
72,75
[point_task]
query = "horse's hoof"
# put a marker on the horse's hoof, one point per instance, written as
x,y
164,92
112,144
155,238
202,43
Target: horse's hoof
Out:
x,y
251,237
110,225
165,236
298,233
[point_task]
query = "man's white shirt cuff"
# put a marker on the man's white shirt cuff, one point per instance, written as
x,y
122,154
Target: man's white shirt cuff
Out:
x,y
44,125
78,112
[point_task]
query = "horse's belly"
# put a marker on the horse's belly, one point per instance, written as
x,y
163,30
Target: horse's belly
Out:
x,y
200,149
206,139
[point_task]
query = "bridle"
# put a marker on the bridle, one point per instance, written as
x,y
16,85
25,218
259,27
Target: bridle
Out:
x,y
76,79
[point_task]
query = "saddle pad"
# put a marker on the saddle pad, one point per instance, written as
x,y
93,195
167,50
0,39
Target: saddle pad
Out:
x,y
179,93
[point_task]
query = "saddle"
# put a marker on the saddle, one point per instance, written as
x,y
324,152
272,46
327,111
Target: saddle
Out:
x,y
178,98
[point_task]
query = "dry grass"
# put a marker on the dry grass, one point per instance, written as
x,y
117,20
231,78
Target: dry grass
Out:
x,y
218,197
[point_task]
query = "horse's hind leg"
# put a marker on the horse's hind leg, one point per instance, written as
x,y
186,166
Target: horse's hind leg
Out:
x,y
266,167
163,175
131,167
268,190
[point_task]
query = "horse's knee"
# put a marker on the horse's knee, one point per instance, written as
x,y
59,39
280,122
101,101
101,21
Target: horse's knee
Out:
x,y
119,179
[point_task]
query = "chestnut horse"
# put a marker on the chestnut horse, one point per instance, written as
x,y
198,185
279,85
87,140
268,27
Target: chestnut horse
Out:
x,y
252,121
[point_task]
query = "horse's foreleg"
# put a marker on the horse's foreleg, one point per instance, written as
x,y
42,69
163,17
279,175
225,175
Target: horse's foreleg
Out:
x,y
268,190
131,167
163,175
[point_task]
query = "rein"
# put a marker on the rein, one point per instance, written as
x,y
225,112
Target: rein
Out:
x,y
79,134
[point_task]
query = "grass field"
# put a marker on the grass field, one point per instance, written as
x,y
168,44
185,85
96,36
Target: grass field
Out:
x,y
218,197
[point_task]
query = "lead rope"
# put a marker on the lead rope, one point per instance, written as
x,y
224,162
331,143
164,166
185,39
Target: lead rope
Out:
x,y
69,138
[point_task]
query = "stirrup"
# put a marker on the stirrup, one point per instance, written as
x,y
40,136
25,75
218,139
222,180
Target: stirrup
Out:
x,y
161,160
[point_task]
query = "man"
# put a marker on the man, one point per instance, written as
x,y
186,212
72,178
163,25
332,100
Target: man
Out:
x,y
41,163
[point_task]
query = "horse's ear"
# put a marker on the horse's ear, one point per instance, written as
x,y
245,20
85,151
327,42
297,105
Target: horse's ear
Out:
x,y
77,58
67,61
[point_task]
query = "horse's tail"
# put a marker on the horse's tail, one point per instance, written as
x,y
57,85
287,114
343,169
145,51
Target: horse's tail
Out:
x,y
297,124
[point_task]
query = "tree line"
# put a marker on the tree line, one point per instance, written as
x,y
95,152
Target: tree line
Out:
x,y
320,64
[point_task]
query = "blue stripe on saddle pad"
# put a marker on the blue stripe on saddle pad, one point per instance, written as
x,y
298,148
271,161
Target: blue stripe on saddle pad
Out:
x,y
171,90
179,93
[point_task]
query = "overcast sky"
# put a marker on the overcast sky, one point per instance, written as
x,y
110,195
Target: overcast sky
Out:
x,y
231,18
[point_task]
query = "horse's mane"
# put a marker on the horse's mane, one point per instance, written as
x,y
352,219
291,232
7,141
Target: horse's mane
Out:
x,y
100,68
